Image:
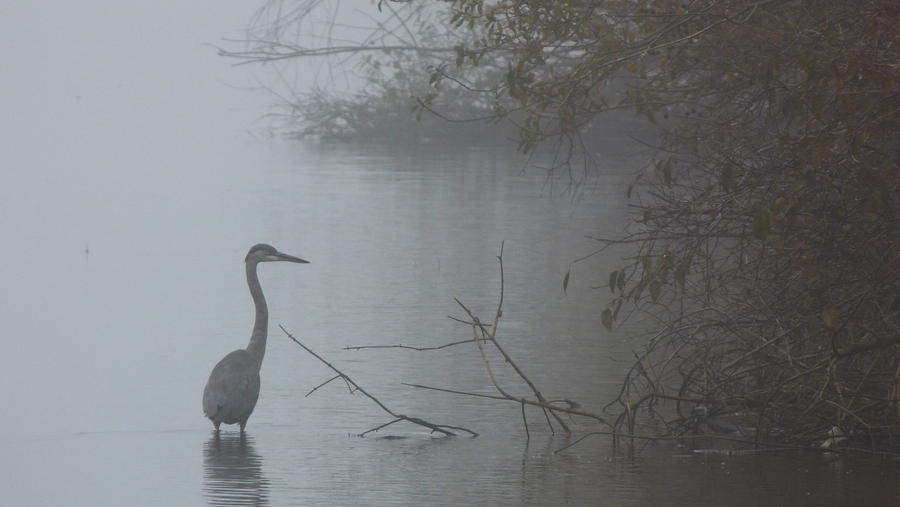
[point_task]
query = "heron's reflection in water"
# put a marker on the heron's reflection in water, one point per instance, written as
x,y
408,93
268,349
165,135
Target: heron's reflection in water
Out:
x,y
233,471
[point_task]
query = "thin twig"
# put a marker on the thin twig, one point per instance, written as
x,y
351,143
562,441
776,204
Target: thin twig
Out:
x,y
440,428
549,422
525,422
314,389
381,426
409,347
533,403
492,336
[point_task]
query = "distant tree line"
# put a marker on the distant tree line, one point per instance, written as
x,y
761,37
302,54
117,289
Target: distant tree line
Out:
x,y
766,241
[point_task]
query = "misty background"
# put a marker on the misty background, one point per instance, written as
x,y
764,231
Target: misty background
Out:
x,y
118,120
138,168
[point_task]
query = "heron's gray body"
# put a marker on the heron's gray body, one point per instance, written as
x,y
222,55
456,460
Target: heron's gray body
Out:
x,y
233,386
232,390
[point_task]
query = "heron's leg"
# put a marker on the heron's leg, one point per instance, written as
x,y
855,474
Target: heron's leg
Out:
x,y
243,423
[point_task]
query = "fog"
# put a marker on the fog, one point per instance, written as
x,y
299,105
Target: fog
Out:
x,y
115,114
136,173
137,168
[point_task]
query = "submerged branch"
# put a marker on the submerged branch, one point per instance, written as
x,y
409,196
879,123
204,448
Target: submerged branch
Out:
x,y
546,406
440,428
408,347
484,334
492,337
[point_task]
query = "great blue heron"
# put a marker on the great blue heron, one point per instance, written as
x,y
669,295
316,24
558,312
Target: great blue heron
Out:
x,y
233,386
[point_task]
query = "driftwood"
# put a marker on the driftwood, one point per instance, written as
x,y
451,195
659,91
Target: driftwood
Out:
x,y
354,387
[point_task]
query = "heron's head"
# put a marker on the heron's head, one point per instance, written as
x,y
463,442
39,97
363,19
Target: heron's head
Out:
x,y
268,253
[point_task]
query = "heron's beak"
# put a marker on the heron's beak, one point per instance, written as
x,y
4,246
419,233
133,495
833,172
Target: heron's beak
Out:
x,y
278,256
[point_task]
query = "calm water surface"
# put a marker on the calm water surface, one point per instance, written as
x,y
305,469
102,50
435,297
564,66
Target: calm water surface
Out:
x,y
134,289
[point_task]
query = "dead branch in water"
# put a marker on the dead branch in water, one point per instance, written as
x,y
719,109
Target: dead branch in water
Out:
x,y
482,335
409,347
440,428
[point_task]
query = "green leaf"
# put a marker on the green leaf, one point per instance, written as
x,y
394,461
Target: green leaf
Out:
x,y
620,282
655,290
638,290
566,280
680,272
647,264
618,306
830,317
726,177
762,224
606,318
664,168
612,281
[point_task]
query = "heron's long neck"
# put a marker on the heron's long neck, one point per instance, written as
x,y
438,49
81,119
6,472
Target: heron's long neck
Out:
x,y
257,345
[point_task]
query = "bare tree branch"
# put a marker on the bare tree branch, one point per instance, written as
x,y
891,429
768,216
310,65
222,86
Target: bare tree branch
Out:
x,y
440,428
